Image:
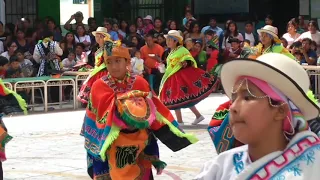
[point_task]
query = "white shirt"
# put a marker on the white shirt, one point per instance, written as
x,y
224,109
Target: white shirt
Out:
x,y
6,54
137,65
67,64
82,39
250,37
290,38
314,37
235,164
1,47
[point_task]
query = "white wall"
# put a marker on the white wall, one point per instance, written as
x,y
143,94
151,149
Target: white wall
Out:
x,y
67,8
2,11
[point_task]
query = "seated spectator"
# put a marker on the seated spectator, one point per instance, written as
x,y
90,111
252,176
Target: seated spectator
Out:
x,y
137,63
284,42
25,64
235,49
78,17
11,46
14,70
82,37
80,47
162,41
213,53
68,63
309,56
108,24
314,46
4,64
188,44
199,55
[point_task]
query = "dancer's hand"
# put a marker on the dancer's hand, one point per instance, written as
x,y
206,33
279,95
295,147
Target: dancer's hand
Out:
x,y
184,64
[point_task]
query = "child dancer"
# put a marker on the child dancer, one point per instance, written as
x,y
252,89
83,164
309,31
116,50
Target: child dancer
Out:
x,y
183,84
123,120
270,111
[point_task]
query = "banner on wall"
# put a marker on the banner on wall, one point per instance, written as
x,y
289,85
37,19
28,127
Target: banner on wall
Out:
x,y
2,11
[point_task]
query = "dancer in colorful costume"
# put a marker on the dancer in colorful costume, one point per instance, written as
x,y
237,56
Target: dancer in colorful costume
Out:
x,y
270,43
123,120
101,35
269,113
11,102
183,84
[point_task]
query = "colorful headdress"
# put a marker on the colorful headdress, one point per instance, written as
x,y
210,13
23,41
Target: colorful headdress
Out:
x,y
114,48
214,42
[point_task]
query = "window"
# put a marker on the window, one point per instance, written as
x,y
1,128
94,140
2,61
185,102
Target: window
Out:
x,y
155,8
17,9
80,1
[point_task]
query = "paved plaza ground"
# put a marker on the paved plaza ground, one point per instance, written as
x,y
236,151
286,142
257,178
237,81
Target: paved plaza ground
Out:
x,y
48,146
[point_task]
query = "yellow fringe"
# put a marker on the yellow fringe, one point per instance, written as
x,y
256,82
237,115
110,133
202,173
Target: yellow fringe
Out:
x,y
192,138
112,136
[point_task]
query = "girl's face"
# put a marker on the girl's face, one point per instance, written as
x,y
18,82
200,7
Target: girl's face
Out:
x,y
13,47
139,22
189,45
115,27
251,119
80,30
137,55
20,35
133,29
235,45
312,28
124,24
171,43
71,56
265,38
70,37
99,39
160,39
232,27
134,40
157,23
197,47
196,28
291,28
268,21
173,25
117,67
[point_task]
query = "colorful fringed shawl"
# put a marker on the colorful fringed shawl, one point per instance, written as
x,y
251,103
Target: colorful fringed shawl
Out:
x,y
120,127
10,102
174,60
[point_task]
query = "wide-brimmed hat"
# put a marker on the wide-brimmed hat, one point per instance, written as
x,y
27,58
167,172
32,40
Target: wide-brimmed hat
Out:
x,y
121,52
273,31
279,71
148,17
176,34
101,30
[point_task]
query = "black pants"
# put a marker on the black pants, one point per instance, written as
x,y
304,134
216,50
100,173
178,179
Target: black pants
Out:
x,y
157,79
1,171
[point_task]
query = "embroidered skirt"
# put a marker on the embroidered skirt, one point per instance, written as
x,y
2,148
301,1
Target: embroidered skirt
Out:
x,y
85,89
187,87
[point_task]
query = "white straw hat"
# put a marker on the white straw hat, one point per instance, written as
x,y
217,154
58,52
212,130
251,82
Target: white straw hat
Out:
x,y
176,34
278,70
273,31
101,30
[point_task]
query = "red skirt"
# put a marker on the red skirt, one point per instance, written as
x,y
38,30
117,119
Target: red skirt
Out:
x,y
187,87
85,89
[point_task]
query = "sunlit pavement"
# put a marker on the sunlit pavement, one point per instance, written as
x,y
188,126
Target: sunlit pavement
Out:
x,y
48,146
